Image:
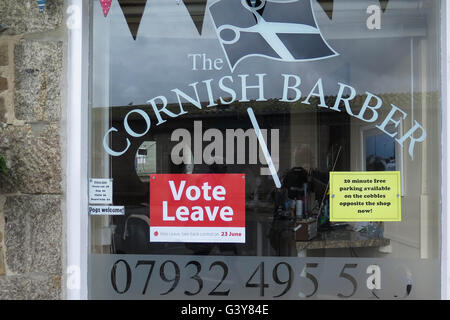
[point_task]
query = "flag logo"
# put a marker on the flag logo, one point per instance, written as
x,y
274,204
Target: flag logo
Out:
x,y
283,30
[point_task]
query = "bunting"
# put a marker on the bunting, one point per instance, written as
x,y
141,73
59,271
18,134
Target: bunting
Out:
x,y
106,5
133,11
327,6
41,5
196,10
384,4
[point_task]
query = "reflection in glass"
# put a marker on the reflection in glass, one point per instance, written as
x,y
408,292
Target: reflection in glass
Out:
x,y
145,162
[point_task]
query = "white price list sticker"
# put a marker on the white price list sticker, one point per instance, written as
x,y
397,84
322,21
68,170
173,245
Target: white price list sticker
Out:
x,y
100,191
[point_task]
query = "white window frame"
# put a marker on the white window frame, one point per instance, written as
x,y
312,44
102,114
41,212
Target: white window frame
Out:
x,y
445,156
77,239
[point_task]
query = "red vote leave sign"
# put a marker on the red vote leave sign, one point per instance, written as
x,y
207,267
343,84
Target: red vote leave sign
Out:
x,y
208,208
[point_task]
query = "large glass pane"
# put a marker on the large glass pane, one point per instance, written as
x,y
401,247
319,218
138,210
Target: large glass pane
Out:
x,y
215,126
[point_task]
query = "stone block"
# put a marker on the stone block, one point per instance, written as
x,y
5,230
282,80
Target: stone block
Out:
x,y
32,286
42,286
33,158
24,17
4,55
38,80
33,233
2,110
3,84
9,137
2,262
10,289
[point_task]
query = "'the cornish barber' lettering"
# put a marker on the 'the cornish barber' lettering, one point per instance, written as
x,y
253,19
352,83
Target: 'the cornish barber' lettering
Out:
x,y
229,89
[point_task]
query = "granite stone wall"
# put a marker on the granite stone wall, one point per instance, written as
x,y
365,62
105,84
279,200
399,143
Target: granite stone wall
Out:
x,y
32,52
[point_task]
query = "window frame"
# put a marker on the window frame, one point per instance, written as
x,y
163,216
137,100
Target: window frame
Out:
x,y
77,240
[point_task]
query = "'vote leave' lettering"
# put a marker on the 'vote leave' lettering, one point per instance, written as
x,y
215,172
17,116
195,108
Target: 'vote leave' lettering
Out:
x,y
193,192
196,213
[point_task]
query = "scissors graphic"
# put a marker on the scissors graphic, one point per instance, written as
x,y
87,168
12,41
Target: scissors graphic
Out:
x,y
268,30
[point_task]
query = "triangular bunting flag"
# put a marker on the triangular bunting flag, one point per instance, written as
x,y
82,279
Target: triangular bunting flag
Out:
x,y
327,6
196,10
133,11
41,4
106,5
384,4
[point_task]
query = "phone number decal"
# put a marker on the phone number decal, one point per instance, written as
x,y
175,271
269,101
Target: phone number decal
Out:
x,y
274,279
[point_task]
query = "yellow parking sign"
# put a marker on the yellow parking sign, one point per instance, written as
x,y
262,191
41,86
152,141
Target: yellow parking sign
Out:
x,y
365,196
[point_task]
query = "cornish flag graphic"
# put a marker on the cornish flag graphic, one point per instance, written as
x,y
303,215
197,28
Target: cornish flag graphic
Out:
x,y
284,30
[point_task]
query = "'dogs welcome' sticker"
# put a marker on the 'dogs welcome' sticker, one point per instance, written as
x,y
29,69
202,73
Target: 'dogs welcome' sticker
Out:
x,y
365,196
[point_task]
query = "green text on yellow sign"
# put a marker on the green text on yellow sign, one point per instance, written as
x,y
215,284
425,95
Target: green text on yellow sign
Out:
x,y
365,196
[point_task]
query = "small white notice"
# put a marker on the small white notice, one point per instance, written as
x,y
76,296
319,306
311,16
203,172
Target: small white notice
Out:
x,y
100,191
107,210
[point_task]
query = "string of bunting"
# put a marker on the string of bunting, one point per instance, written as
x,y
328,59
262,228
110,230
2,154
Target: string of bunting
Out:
x,y
133,10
